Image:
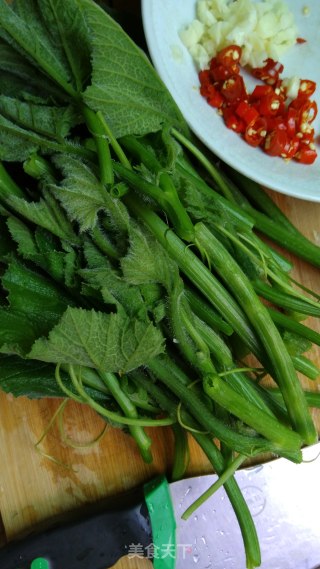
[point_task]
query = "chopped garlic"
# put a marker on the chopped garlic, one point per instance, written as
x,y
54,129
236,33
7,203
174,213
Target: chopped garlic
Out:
x,y
291,86
193,33
262,29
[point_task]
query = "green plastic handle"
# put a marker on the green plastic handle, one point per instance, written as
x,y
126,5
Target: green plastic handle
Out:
x,y
163,523
39,563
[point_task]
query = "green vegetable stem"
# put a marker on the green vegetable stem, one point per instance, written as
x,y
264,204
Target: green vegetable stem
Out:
x,y
261,321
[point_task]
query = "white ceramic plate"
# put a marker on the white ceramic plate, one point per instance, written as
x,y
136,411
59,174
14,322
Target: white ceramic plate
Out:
x,y
162,20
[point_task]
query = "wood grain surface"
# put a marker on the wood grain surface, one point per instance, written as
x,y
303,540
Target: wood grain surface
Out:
x,y
38,483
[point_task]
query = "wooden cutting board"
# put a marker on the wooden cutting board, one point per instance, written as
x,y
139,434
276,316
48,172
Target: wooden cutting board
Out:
x,y
38,483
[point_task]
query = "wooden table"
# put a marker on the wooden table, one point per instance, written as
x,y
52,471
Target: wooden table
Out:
x,y
40,483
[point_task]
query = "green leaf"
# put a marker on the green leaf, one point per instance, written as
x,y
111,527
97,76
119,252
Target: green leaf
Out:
x,y
213,211
93,256
43,250
26,31
34,295
49,121
23,237
147,261
6,244
65,22
17,333
49,257
34,379
140,301
80,192
115,290
83,196
71,262
16,144
19,77
125,86
50,216
108,342
31,378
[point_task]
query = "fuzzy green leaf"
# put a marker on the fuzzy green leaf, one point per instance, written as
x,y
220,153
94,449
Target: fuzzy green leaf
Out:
x,y
49,121
22,377
37,212
43,249
23,237
80,192
16,144
17,332
6,244
93,256
68,30
34,379
147,261
20,78
108,342
115,290
83,196
125,86
34,295
22,26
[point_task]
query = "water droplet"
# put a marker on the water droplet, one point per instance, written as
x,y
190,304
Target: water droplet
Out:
x,y
195,518
203,539
220,531
196,557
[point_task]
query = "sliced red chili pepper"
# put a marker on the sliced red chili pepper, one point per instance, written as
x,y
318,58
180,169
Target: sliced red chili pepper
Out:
x,y
307,112
291,148
234,89
270,72
232,121
213,63
204,89
276,141
221,73
270,105
214,97
256,132
261,91
306,137
276,122
306,155
306,88
291,118
301,40
205,83
204,77
262,117
230,57
246,112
